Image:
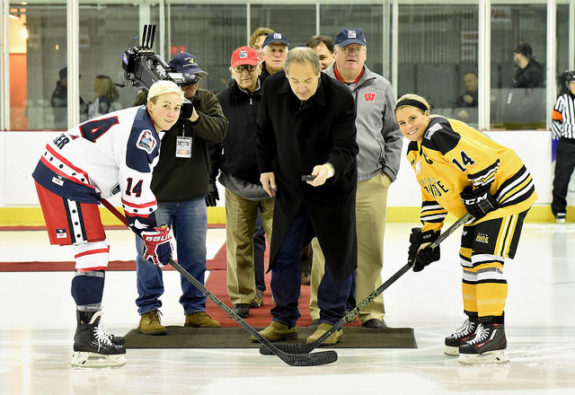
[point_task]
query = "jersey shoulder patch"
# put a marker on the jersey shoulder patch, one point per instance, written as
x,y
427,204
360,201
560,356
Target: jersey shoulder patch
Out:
x,y
143,143
146,141
440,136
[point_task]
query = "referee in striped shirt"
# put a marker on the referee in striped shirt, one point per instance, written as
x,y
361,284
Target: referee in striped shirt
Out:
x,y
563,126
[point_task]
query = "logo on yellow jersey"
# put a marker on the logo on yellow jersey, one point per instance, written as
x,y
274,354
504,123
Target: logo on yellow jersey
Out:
x,y
482,238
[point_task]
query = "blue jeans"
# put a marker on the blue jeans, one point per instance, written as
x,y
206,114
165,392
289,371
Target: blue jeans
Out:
x,y
189,223
286,279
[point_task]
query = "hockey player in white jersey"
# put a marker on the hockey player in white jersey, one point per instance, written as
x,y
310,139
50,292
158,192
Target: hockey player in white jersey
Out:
x,y
114,153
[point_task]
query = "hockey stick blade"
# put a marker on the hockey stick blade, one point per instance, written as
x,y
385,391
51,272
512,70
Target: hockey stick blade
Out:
x,y
308,347
299,359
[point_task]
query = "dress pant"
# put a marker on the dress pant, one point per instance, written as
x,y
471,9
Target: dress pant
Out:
x,y
286,279
564,165
259,253
241,217
370,210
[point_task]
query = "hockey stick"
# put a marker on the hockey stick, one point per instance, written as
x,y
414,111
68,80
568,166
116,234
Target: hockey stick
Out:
x,y
299,359
306,348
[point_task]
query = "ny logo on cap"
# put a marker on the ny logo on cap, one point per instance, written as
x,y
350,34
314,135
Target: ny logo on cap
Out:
x,y
278,36
243,54
351,34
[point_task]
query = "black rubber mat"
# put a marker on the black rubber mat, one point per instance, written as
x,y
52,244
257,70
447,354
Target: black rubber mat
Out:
x,y
238,337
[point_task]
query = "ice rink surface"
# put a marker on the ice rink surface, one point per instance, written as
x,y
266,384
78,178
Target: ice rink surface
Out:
x,y
36,330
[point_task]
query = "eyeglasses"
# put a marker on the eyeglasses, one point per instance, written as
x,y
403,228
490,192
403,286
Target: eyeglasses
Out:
x,y
250,68
350,49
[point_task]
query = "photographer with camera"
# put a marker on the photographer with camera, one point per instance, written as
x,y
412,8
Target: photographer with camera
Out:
x,y
181,185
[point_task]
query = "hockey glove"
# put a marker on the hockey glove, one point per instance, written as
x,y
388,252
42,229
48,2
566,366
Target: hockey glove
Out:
x,y
420,252
212,196
158,245
478,202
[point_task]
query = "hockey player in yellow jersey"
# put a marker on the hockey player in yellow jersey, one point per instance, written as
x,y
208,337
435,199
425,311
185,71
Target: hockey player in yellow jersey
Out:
x,y
460,170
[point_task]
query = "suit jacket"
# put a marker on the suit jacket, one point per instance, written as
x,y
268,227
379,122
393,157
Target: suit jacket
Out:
x,y
293,137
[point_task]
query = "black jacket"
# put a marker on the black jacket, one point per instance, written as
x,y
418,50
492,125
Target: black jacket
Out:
x,y
179,179
529,77
293,137
239,147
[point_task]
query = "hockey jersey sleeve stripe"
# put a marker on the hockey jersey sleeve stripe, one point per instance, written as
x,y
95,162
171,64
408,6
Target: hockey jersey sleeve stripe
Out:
x,y
426,206
433,218
523,193
432,212
141,205
516,189
485,176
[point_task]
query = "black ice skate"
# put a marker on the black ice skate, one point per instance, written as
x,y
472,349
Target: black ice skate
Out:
x,y
487,346
95,347
460,336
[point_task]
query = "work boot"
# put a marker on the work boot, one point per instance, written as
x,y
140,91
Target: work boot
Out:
x,y
276,332
201,320
150,324
333,339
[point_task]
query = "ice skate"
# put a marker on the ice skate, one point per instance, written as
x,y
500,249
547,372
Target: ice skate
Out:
x,y
487,346
460,336
95,347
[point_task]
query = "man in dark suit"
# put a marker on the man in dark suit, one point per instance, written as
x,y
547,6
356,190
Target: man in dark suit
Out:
x,y
307,127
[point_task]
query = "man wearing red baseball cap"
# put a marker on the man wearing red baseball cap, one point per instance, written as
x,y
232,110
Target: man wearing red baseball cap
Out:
x,y
235,160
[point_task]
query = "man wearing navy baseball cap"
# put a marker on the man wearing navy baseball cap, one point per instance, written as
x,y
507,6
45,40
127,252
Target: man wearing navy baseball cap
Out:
x,y
187,64
181,185
380,141
275,51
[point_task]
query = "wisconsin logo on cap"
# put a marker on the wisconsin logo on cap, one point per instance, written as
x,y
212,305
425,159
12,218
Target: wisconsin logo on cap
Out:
x,y
351,34
243,54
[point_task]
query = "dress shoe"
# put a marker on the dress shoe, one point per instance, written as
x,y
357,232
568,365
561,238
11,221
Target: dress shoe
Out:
x,y
374,323
242,309
259,300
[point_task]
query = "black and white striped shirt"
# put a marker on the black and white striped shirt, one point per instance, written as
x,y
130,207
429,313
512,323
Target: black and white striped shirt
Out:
x,y
563,117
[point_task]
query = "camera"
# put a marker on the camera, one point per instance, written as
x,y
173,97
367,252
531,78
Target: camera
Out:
x,y
142,66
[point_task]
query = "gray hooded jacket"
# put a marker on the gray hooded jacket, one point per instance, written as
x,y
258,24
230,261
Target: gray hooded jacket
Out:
x,y
378,135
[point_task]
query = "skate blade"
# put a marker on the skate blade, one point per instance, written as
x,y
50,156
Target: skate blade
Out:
x,y
450,350
488,357
94,360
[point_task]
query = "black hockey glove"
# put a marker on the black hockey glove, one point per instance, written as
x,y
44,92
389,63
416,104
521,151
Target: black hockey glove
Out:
x,y
212,196
420,252
478,202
